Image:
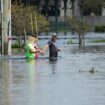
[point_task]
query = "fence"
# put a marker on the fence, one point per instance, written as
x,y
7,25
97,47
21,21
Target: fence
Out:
x,y
59,27
95,20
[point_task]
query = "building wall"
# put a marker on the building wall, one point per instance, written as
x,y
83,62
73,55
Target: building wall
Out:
x,y
103,11
69,9
96,20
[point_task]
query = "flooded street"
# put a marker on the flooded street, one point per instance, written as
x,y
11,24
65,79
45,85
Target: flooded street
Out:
x,y
67,81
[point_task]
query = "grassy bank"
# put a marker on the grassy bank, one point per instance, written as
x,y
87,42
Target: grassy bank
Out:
x,y
99,41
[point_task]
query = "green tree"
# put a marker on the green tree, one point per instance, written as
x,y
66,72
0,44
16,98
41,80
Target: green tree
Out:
x,y
80,27
91,6
26,19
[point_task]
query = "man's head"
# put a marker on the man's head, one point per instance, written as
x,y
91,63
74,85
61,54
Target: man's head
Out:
x,y
54,37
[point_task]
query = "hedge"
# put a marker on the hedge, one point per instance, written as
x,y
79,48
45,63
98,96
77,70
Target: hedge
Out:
x,y
99,28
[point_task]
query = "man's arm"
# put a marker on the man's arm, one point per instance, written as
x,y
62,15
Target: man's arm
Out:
x,y
42,51
46,47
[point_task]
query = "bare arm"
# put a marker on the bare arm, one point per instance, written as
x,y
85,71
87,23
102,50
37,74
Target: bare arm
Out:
x,y
46,47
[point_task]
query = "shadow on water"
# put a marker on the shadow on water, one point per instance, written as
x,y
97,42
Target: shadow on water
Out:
x,y
53,65
31,64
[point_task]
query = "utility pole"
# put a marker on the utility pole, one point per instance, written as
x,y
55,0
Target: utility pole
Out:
x,y
6,26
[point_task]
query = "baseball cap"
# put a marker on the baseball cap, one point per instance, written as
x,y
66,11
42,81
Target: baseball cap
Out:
x,y
54,34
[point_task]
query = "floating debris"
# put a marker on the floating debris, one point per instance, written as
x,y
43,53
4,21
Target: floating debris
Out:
x,y
92,70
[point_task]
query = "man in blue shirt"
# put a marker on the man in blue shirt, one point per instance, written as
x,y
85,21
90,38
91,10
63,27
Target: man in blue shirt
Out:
x,y
51,44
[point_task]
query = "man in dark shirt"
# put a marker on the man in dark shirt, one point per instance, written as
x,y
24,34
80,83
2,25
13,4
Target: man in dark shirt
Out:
x,y
51,44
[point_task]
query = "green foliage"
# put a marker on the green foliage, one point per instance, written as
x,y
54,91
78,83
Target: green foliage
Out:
x,y
91,6
27,19
79,26
70,41
99,28
15,45
99,41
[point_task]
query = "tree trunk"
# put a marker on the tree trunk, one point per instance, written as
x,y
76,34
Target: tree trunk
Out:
x,y
83,39
56,15
25,40
19,41
36,25
73,6
65,10
80,40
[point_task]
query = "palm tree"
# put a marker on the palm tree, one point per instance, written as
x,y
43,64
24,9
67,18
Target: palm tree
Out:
x,y
80,27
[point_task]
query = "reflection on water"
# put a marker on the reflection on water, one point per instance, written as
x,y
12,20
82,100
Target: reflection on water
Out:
x,y
53,64
32,75
5,83
45,82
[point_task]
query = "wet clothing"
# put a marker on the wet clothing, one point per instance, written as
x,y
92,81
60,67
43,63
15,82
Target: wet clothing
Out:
x,y
37,53
53,50
28,53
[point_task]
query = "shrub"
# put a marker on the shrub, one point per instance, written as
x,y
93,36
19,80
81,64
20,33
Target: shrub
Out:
x,y
16,45
99,28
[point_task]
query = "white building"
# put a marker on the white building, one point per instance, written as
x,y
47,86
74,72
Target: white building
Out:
x,y
103,11
69,9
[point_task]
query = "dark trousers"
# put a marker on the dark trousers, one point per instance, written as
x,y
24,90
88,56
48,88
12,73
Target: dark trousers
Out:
x,y
53,55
